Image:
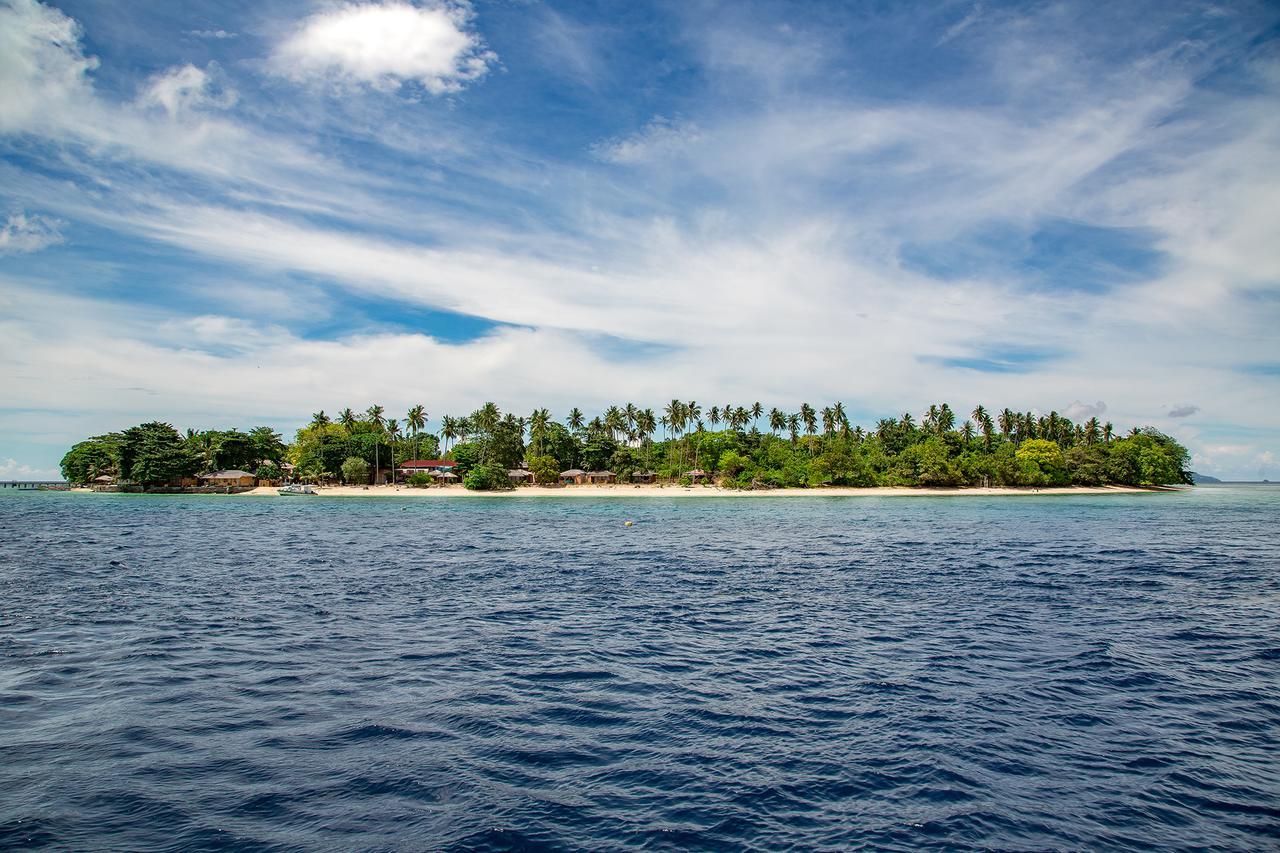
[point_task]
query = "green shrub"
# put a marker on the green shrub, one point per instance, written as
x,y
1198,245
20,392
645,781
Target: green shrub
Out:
x,y
419,479
487,478
355,470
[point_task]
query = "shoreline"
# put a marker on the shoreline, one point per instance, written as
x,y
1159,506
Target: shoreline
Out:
x,y
670,491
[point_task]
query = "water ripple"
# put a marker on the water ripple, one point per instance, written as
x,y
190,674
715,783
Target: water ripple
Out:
x,y
911,674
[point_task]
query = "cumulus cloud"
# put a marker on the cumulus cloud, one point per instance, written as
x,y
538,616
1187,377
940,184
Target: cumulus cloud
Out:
x,y
213,34
386,44
22,233
1183,411
1079,411
186,87
12,469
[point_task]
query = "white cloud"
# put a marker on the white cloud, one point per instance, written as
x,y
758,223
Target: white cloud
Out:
x,y
213,34
1079,411
186,87
22,233
1183,411
661,138
12,469
385,44
41,64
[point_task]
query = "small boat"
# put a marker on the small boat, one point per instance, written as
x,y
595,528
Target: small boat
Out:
x,y
297,489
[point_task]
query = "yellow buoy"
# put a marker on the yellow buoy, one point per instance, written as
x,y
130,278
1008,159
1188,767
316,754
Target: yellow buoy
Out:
x,y
628,523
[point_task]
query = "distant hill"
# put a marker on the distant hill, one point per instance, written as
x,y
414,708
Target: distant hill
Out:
x,y
1203,478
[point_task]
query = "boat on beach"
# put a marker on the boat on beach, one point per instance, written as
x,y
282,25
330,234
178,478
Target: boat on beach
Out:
x,y
297,489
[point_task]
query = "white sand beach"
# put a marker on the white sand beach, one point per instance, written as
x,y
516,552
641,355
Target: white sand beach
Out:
x,y
672,491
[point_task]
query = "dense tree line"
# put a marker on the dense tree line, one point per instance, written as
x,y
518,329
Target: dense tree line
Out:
x,y
156,454
741,446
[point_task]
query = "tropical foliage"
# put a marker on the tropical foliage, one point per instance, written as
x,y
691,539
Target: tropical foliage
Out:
x,y
739,445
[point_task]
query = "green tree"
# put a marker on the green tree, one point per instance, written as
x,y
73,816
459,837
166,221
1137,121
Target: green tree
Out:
x,y
487,478
545,470
355,470
154,454
1047,459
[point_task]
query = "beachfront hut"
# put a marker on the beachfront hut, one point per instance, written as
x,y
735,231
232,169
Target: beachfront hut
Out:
x,y
445,478
574,476
697,475
234,477
104,479
601,477
644,476
519,476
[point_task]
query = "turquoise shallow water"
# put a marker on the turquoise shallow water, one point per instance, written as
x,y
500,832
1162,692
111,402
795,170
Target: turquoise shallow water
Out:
x,y
1040,672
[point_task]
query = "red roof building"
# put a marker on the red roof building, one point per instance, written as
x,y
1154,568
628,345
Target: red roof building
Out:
x,y
441,465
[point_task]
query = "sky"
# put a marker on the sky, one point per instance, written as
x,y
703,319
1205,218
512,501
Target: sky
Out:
x,y
227,213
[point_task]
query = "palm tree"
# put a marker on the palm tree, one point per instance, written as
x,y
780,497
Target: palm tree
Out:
x,y
416,420
538,423
714,416
946,418
1108,432
319,419
393,430
374,413
809,417
756,411
1007,420
828,421
793,426
908,423
448,430
967,432
777,420
740,417
575,419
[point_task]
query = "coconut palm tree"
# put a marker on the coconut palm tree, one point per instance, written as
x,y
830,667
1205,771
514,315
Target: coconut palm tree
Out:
x,y
1108,432
828,421
448,430
1007,420
416,420
777,420
946,419
538,423
374,414
713,416
756,411
907,422
793,426
967,432
393,432
575,420
319,419
809,418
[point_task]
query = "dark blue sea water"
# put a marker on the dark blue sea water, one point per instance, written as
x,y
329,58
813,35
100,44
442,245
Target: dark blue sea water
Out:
x,y
208,672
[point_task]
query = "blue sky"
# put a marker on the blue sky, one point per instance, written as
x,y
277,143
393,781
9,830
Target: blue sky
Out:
x,y
232,213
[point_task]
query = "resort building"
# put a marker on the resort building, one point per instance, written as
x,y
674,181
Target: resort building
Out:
x,y
234,477
601,477
520,477
574,476
697,475
643,476
428,466
445,478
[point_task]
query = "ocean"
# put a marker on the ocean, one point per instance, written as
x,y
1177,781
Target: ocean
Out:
x,y
931,673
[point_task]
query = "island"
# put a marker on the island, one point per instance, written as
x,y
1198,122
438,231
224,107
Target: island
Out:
x,y
686,448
